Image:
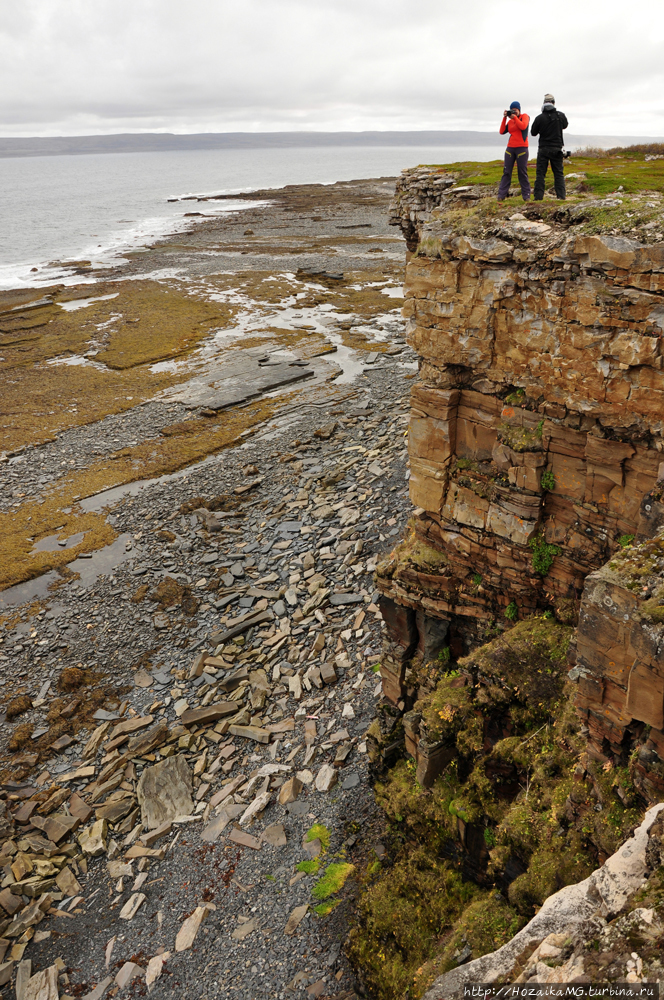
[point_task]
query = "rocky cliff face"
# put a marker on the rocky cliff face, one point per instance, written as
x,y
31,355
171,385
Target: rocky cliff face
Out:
x,y
521,734
535,435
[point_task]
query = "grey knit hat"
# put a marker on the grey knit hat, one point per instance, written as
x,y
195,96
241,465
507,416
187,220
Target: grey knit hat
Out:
x,y
549,99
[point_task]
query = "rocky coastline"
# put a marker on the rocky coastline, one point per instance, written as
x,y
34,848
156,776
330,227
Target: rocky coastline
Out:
x,y
190,637
332,607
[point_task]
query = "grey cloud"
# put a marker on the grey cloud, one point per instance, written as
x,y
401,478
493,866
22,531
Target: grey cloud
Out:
x,y
216,65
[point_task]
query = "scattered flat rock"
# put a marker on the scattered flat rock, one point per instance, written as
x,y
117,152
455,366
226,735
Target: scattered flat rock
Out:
x,y
275,835
244,839
93,838
132,906
245,929
143,679
99,990
129,971
326,778
187,933
295,919
164,792
155,968
251,733
211,713
260,803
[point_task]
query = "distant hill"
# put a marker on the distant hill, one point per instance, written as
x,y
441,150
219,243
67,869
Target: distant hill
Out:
x,y
141,142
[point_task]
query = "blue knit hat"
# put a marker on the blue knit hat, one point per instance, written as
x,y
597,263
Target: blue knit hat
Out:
x,y
515,104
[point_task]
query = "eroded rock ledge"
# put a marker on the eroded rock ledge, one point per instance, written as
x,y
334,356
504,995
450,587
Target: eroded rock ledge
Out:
x,y
535,434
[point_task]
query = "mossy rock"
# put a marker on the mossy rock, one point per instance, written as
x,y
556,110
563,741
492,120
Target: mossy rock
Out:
x,y
402,916
524,665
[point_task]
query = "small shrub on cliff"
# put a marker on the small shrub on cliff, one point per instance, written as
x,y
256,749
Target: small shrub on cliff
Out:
x,y
625,541
543,554
548,480
511,612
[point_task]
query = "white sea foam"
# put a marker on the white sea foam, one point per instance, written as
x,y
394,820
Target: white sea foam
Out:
x,y
57,211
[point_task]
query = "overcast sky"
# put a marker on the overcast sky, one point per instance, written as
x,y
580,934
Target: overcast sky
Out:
x,y
98,66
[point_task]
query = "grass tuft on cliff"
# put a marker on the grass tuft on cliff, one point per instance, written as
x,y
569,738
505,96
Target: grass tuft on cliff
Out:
x,y
632,185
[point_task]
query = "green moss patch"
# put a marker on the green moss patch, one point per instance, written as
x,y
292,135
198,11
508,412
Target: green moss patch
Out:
x,y
635,183
333,880
309,866
322,909
318,832
401,919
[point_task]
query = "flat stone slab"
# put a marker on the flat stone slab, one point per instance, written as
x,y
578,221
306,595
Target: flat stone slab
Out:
x,y
164,792
337,600
244,839
211,713
246,380
251,733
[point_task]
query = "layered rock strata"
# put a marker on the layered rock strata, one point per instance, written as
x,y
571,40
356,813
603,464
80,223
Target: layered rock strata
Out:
x,y
536,422
618,662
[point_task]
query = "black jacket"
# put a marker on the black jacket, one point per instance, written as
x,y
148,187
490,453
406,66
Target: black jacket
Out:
x,y
549,127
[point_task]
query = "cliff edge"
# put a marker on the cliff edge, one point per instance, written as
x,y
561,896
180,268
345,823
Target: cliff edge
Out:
x,y
520,738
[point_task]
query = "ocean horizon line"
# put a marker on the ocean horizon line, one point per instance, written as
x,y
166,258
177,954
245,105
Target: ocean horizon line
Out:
x,y
141,142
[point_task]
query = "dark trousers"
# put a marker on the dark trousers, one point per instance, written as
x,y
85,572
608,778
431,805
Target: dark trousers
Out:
x,y
544,158
518,155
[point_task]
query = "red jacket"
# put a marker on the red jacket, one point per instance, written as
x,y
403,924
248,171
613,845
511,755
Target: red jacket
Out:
x,y
514,126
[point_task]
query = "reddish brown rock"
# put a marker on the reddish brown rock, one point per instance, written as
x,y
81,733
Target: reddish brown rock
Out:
x,y
526,464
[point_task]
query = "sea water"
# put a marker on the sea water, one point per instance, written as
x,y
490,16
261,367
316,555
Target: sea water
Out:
x,y
59,209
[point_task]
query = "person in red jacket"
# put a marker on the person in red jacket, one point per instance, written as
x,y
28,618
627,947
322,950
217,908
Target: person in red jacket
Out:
x,y
516,124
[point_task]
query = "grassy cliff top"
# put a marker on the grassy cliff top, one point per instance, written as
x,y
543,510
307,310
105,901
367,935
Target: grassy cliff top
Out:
x,y
619,191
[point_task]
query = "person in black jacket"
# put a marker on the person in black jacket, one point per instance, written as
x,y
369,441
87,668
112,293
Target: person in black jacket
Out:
x,y
549,127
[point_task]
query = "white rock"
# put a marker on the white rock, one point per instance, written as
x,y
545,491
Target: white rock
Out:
x,y
128,972
155,968
605,891
93,838
295,686
187,933
132,906
257,806
326,778
549,950
348,712
43,985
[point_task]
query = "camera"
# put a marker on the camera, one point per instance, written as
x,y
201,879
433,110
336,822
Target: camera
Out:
x,y
566,154
509,113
